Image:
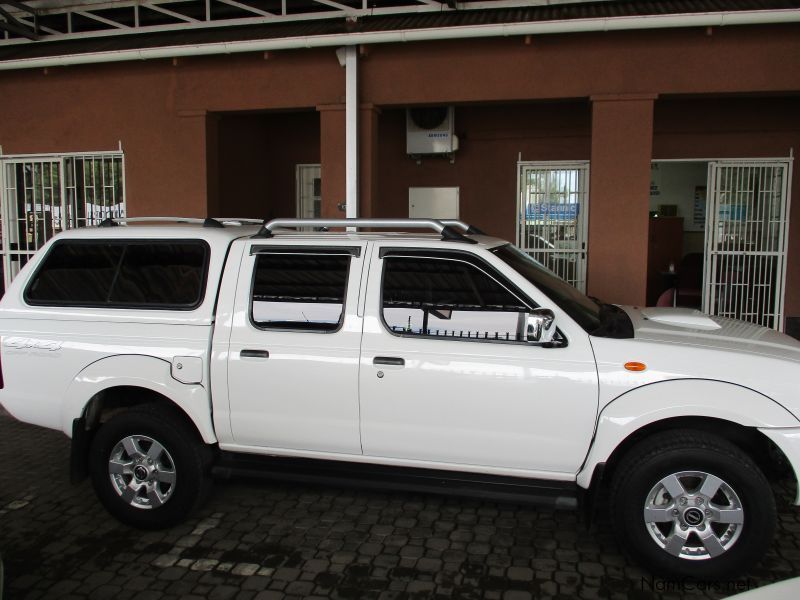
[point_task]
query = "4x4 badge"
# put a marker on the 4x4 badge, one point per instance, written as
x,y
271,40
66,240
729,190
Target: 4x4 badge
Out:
x,y
26,343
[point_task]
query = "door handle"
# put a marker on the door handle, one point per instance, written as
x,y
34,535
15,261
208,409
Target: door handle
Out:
x,y
254,354
388,360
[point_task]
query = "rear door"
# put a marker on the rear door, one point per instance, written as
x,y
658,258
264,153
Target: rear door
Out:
x,y
294,348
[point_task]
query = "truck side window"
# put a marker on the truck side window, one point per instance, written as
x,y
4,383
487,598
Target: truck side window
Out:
x,y
147,274
161,274
75,273
440,297
299,291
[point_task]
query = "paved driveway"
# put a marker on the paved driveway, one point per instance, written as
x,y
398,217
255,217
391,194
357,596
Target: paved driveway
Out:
x,y
270,541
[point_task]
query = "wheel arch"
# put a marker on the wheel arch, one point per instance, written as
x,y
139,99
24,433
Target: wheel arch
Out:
x,y
118,382
728,410
750,440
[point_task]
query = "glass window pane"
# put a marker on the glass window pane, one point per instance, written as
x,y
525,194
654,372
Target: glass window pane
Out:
x,y
296,291
75,273
161,274
448,298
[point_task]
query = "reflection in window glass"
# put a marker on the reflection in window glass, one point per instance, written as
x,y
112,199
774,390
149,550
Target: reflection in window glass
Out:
x,y
299,291
448,298
296,312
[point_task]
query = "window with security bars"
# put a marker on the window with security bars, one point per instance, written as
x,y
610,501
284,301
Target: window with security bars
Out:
x,y
551,217
42,196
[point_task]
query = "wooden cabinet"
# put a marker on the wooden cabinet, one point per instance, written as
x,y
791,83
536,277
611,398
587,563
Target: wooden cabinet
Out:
x,y
665,246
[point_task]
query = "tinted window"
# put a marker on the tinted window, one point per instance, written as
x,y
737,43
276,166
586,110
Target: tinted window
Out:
x,y
165,274
580,307
448,298
299,291
75,273
121,274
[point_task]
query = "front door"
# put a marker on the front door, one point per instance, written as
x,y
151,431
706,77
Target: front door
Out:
x,y
447,379
294,347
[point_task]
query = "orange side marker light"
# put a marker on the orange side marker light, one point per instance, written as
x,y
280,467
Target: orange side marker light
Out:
x,y
635,366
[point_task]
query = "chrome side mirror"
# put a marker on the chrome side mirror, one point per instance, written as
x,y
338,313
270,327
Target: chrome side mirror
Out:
x,y
540,326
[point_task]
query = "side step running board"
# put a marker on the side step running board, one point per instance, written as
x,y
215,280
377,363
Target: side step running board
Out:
x,y
552,494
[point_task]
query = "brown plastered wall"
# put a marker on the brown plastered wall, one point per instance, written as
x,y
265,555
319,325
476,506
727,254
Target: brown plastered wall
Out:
x,y
332,153
737,128
257,156
668,61
159,111
368,139
485,167
93,109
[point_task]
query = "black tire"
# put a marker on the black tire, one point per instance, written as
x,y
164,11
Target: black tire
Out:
x,y
174,482
641,479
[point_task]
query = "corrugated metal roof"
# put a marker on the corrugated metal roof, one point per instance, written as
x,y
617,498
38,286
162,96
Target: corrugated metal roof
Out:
x,y
409,21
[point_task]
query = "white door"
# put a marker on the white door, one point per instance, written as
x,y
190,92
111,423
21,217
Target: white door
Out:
x,y
445,380
294,347
309,191
746,240
552,216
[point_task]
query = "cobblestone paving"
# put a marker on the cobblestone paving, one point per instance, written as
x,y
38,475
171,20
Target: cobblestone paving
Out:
x,y
262,541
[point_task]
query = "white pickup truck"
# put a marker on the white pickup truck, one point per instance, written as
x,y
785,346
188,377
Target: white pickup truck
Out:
x,y
169,353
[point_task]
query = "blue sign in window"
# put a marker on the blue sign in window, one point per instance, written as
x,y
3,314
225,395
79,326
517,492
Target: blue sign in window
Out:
x,y
551,211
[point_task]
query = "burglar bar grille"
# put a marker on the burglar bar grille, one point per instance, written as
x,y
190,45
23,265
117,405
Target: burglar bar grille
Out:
x,y
42,196
746,241
551,217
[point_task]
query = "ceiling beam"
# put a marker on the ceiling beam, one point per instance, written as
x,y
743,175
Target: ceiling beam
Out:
x,y
20,6
12,25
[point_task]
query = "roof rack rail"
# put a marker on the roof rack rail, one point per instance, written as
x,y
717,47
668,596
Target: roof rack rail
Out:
x,y
448,231
469,229
240,220
215,222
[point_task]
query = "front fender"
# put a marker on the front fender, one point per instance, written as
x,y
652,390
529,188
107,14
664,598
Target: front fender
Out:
x,y
137,371
678,398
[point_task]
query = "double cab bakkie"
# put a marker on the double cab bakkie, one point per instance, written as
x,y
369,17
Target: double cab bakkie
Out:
x,y
418,352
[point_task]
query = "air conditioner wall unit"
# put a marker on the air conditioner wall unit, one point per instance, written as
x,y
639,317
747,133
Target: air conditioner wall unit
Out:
x,y
429,130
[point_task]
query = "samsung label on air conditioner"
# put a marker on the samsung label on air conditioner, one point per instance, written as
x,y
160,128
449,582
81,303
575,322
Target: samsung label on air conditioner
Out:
x,y
429,130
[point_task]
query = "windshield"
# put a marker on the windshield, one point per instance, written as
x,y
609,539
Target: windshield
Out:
x,y
586,311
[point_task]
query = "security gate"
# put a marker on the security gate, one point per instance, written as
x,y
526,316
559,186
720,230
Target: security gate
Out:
x,y
746,240
552,210
43,195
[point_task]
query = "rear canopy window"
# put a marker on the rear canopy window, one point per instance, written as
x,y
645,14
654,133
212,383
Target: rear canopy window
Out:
x,y
139,274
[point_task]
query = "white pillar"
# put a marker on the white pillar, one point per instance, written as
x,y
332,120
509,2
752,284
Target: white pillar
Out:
x,y
351,130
